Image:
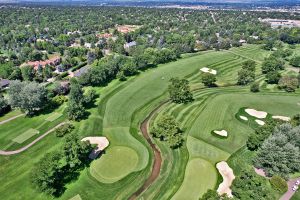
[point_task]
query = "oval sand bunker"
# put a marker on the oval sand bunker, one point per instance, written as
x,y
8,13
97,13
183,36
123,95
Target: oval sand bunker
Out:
x,y
222,133
257,114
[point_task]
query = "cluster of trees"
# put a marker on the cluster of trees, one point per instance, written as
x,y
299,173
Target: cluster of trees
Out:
x,y
261,134
27,96
248,185
280,152
213,195
56,169
247,74
167,129
179,91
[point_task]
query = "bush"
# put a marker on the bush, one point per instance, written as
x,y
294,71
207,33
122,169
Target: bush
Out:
x,y
64,129
254,87
279,183
273,77
59,100
288,83
295,61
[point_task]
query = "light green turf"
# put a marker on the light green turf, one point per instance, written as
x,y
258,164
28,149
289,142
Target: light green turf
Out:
x,y
26,135
54,117
115,164
77,197
200,175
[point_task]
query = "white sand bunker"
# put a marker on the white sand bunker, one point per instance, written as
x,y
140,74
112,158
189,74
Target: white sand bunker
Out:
x,y
257,114
208,70
244,118
283,118
228,177
259,122
101,142
222,133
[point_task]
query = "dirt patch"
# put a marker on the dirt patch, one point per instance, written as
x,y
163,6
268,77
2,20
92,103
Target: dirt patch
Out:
x,y
228,177
257,114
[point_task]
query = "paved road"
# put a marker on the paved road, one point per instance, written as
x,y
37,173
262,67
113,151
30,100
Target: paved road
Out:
x,y
10,119
7,153
288,195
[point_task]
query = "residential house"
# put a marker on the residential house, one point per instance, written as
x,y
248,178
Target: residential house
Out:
x,y
4,83
129,45
54,61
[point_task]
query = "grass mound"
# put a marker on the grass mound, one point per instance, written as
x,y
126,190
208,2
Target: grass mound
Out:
x,y
115,164
26,135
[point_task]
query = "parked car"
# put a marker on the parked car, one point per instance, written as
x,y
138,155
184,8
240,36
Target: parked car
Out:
x,y
297,182
295,187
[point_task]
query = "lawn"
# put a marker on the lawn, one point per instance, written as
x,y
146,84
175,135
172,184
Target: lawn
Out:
x,y
16,133
26,135
117,114
200,175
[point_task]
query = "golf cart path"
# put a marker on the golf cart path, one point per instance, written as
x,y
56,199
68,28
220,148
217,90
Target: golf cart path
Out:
x,y
288,195
10,119
7,153
157,154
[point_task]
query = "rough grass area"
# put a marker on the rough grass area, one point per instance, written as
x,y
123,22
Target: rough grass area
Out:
x,y
200,175
10,115
26,135
114,164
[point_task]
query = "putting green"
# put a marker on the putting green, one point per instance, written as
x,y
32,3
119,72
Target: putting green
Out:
x,y
200,175
25,136
115,164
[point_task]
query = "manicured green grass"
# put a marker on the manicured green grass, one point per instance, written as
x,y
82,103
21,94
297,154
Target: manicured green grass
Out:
x,y
9,115
54,117
296,196
115,164
17,127
26,135
200,175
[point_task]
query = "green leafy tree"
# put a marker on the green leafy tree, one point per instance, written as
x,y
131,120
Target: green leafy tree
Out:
x,y
27,73
167,129
280,154
6,69
47,174
249,65
28,96
75,151
179,91
209,79
254,87
76,100
245,77
273,77
272,64
3,105
295,61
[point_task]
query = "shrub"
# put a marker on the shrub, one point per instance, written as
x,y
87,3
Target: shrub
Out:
x,y
279,183
288,83
64,129
59,100
273,77
254,87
